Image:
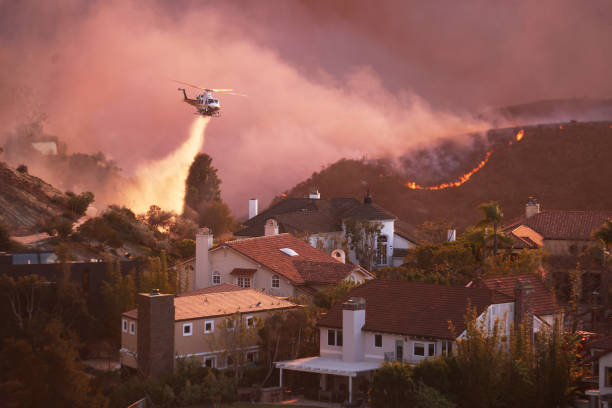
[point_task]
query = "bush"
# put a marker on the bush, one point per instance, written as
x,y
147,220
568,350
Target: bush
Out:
x,y
78,204
22,169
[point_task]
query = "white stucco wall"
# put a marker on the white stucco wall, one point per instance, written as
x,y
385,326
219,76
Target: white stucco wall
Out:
x,y
604,361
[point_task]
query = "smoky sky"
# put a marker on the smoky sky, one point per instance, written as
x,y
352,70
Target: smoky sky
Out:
x,y
325,80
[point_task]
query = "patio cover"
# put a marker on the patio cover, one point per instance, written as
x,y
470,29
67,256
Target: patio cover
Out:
x,y
325,365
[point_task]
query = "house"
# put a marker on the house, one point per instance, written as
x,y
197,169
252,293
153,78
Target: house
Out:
x,y
278,264
545,306
600,357
322,221
215,326
386,320
561,233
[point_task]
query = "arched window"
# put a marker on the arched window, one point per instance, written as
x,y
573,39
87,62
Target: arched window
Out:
x,y
216,278
275,281
381,250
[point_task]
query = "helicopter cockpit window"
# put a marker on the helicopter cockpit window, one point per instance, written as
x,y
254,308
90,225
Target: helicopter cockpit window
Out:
x,y
210,101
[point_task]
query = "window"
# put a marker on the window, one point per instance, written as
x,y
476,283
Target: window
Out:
x,y
608,376
250,322
209,326
244,281
216,278
251,356
275,281
381,250
447,347
378,340
210,362
132,327
187,329
334,337
124,325
424,349
419,349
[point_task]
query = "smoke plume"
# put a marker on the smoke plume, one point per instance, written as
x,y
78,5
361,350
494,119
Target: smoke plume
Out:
x,y
325,80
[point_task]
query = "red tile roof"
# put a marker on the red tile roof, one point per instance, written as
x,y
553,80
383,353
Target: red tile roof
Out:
x,y
267,252
544,302
243,271
224,287
522,242
323,272
415,308
211,304
562,225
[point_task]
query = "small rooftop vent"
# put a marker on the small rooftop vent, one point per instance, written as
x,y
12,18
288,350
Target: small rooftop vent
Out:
x,y
289,251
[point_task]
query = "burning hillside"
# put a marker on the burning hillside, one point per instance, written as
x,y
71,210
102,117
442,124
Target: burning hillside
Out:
x,y
564,165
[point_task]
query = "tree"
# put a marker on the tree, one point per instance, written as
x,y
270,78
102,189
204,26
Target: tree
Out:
x,y
118,294
158,219
202,182
492,216
217,216
5,239
331,294
526,261
22,168
362,237
78,204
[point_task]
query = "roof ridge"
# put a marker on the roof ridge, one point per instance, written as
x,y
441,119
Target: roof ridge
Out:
x,y
255,238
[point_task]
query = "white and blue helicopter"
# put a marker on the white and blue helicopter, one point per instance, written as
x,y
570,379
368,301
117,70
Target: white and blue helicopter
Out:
x,y
205,103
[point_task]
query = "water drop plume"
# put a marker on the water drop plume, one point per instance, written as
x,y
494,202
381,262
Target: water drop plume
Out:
x,y
162,182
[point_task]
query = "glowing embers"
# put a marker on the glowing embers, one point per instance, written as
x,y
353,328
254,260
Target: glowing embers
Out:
x,y
465,177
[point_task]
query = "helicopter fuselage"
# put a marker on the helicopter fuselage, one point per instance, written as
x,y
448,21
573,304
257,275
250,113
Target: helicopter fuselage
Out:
x,y
205,103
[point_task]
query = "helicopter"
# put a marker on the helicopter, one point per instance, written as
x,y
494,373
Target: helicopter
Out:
x,y
205,103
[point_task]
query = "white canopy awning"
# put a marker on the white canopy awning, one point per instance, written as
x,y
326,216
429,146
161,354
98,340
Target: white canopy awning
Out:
x,y
325,365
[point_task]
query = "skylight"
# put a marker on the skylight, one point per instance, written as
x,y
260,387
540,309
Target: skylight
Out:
x,y
289,251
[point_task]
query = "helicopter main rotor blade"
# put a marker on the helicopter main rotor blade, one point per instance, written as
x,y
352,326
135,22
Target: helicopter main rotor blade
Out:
x,y
191,85
227,92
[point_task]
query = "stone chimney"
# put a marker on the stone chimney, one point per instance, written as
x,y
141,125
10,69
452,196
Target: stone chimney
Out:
x,y
252,207
339,255
271,227
451,235
532,207
155,331
353,319
204,241
524,293
315,195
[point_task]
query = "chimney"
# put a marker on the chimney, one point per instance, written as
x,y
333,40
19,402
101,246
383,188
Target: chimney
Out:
x,y
532,207
204,241
339,255
271,227
451,235
353,319
252,208
315,195
523,305
155,332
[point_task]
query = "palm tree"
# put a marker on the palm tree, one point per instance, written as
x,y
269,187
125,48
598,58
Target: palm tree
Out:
x,y
604,235
492,217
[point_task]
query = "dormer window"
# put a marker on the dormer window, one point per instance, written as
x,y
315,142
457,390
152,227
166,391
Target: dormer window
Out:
x,y
289,251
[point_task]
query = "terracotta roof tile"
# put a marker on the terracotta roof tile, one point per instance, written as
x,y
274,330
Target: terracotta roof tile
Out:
x,y
224,287
561,225
267,252
415,308
323,272
222,303
544,302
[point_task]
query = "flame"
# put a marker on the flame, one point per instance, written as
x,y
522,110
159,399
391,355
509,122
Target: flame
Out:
x,y
561,127
465,177
162,182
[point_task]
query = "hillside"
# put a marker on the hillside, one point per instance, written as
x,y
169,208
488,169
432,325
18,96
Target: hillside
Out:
x,y
25,200
566,166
